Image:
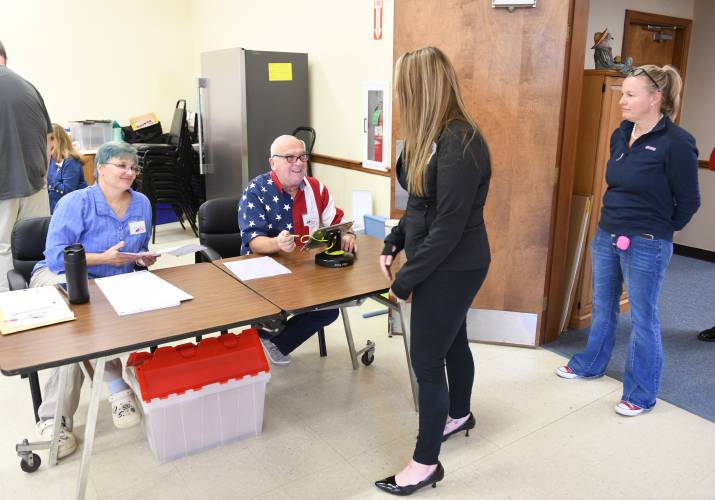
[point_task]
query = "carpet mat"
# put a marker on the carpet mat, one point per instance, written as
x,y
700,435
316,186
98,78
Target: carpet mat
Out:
x,y
687,306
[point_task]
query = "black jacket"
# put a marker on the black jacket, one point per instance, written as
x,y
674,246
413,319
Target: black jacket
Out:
x,y
444,230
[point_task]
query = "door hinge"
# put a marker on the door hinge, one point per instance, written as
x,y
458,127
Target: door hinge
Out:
x,y
546,303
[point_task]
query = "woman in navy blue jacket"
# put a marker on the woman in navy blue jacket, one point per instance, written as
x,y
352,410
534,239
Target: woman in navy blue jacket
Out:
x,y
652,178
64,173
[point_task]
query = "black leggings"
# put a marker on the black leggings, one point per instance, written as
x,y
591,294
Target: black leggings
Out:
x,y
438,326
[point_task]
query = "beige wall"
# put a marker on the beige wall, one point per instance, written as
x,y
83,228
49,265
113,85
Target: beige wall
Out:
x,y
611,14
698,113
699,98
341,54
98,59
101,60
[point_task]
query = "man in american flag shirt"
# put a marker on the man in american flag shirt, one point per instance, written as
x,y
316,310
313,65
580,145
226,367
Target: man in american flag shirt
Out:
x,y
275,208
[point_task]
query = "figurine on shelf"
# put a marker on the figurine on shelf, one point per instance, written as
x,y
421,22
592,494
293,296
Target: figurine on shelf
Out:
x,y
603,54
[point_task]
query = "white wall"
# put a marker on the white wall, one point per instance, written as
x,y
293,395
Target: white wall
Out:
x,y
698,113
699,98
101,60
611,14
342,55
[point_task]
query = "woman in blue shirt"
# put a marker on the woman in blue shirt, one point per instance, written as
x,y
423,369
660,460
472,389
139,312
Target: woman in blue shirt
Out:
x,y
106,218
64,173
652,178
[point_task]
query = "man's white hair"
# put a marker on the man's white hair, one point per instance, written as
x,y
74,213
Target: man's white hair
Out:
x,y
281,138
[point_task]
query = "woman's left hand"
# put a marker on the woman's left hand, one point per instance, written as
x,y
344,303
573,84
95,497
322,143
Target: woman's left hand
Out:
x,y
349,243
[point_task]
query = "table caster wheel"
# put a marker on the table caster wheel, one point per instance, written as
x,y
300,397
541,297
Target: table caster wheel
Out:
x,y
367,358
31,465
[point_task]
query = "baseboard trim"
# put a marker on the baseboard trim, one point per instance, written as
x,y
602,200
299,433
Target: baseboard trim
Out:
x,y
696,253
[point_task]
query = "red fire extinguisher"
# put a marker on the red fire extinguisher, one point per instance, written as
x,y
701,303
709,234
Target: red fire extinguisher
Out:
x,y
377,124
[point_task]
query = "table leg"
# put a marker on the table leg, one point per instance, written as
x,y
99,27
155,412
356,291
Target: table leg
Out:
x,y
349,335
89,428
406,339
59,410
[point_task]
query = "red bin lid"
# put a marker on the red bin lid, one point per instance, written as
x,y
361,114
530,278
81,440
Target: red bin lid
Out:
x,y
174,370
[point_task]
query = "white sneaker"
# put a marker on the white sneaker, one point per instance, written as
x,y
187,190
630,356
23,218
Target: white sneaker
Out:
x,y
274,354
628,409
67,442
566,372
124,409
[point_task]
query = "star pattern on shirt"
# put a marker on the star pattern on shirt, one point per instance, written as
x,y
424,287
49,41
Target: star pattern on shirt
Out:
x,y
265,210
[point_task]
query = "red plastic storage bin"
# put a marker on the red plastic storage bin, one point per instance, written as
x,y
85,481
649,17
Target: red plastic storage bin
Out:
x,y
174,370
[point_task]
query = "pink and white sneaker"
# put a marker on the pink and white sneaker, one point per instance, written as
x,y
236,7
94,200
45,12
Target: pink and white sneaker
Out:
x,y
566,372
628,409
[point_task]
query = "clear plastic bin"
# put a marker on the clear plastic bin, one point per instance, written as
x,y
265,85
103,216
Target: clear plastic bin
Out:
x,y
216,414
90,134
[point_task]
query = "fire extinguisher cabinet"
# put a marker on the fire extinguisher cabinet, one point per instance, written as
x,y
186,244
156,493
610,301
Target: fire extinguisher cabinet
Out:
x,y
376,118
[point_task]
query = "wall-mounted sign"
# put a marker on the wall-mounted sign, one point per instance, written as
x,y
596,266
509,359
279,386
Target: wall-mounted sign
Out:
x,y
377,20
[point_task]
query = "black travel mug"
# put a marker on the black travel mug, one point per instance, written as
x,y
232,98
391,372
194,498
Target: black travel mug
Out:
x,y
76,274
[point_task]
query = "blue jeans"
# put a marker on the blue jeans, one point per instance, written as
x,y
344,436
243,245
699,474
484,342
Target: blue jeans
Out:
x,y
642,266
301,327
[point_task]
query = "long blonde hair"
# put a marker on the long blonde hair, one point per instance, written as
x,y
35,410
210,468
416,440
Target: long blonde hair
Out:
x,y
670,85
63,145
428,97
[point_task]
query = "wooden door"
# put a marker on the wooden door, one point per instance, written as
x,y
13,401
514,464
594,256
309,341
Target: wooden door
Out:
x,y
511,71
656,39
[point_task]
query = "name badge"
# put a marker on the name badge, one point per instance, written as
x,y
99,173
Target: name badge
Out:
x,y
311,222
137,227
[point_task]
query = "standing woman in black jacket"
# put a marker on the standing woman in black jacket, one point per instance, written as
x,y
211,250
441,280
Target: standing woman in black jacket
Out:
x,y
445,168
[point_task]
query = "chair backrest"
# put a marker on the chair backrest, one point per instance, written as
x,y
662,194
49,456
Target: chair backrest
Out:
x,y
218,226
177,126
27,243
307,135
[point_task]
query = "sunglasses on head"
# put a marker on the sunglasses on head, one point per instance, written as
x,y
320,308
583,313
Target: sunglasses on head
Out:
x,y
641,71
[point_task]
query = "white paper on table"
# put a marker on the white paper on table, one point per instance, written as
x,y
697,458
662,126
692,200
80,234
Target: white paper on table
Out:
x,y
24,309
141,291
260,267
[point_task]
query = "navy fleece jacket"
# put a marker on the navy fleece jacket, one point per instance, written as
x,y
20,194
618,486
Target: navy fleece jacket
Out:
x,y
652,186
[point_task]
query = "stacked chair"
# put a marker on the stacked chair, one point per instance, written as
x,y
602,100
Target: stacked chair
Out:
x,y
167,172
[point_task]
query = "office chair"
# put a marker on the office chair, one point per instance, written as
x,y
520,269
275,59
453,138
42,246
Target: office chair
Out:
x,y
27,243
307,135
219,232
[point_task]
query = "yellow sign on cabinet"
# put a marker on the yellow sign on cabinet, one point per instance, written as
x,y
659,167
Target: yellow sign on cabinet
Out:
x,y
280,72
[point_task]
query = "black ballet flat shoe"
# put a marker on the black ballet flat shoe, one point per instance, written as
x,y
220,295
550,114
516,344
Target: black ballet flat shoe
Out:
x,y
466,426
390,485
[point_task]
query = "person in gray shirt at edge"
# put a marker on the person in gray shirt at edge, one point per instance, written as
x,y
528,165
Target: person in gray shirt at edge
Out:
x,y
24,130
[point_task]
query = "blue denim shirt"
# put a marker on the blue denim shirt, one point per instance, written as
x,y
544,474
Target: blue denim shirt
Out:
x,y
83,216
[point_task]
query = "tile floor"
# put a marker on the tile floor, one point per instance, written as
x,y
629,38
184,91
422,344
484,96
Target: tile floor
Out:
x,y
329,432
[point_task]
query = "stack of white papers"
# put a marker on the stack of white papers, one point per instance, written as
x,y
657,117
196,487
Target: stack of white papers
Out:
x,y
141,291
260,267
25,309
